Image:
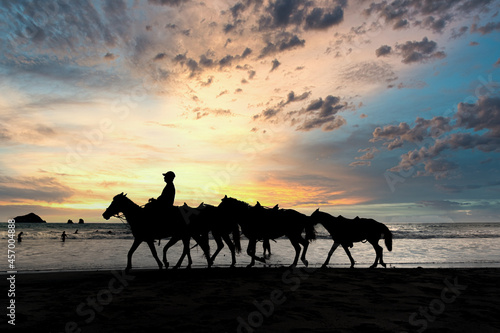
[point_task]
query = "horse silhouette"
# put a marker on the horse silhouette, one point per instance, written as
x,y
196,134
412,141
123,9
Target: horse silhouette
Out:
x,y
147,226
346,231
211,219
259,223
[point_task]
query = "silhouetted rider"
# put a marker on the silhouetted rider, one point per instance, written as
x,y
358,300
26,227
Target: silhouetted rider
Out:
x,y
168,194
166,199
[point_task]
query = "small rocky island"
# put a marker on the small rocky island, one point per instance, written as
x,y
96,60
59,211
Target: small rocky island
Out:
x,y
29,218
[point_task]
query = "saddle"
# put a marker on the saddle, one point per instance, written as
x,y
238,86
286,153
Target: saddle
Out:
x,y
157,209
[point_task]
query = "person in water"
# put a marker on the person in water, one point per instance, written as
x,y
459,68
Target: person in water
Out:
x,y
20,237
63,236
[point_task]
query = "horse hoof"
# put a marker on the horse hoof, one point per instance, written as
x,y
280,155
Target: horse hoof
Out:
x,y
166,264
249,266
384,265
305,262
324,266
261,260
128,269
373,266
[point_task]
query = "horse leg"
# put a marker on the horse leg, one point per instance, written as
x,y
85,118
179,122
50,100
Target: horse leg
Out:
x,y
231,247
185,251
346,249
378,251
134,247
151,245
296,246
170,243
205,247
251,252
267,247
305,244
381,257
220,245
334,247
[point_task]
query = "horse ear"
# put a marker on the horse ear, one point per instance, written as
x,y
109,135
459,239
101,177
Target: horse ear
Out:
x,y
225,197
317,210
121,193
125,195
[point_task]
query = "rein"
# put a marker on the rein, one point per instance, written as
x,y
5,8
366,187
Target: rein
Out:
x,y
122,218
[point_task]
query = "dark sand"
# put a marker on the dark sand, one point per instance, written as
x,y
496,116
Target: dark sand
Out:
x,y
228,300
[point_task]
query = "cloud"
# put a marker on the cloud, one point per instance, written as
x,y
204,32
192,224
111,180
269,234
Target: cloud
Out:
x,y
369,72
322,113
319,19
383,50
453,188
201,113
369,153
457,34
167,2
449,133
432,15
45,189
485,29
395,135
436,25
276,64
414,51
283,42
484,114
443,204
401,24
319,113
110,56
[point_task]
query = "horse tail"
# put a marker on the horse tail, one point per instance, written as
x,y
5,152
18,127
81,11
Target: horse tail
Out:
x,y
236,237
310,230
387,237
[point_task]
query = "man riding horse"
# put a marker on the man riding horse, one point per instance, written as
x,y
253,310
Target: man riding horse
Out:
x,y
165,202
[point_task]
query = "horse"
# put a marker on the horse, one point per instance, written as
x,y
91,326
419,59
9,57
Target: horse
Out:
x,y
346,231
258,223
146,227
208,218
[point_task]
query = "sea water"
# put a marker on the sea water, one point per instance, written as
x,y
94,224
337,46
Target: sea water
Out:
x,y
104,246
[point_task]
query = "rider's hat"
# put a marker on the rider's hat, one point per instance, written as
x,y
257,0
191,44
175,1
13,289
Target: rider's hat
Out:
x,y
170,174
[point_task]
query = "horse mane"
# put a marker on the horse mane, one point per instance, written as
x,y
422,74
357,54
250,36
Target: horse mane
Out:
x,y
236,200
122,196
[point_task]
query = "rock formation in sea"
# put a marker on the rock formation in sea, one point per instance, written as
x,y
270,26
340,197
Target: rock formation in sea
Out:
x,y
29,218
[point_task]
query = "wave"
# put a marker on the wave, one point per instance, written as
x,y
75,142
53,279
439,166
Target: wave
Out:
x,y
122,231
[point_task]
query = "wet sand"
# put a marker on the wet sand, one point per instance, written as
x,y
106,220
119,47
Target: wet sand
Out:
x,y
260,300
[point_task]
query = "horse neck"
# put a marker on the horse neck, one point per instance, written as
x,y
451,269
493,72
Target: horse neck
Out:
x,y
131,210
329,221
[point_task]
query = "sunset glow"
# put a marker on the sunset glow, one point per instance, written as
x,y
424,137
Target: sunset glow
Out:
x,y
375,109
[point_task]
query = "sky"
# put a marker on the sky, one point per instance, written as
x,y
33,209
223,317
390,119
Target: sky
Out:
x,y
380,109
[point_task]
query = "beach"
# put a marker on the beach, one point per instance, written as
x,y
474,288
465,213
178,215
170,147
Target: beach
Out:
x,y
259,300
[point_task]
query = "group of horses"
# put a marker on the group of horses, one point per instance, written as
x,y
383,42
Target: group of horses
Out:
x,y
233,217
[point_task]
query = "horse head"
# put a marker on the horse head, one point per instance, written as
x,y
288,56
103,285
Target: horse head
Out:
x,y
115,207
318,216
232,204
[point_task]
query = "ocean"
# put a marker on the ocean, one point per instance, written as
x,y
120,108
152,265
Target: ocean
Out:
x,y
104,246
